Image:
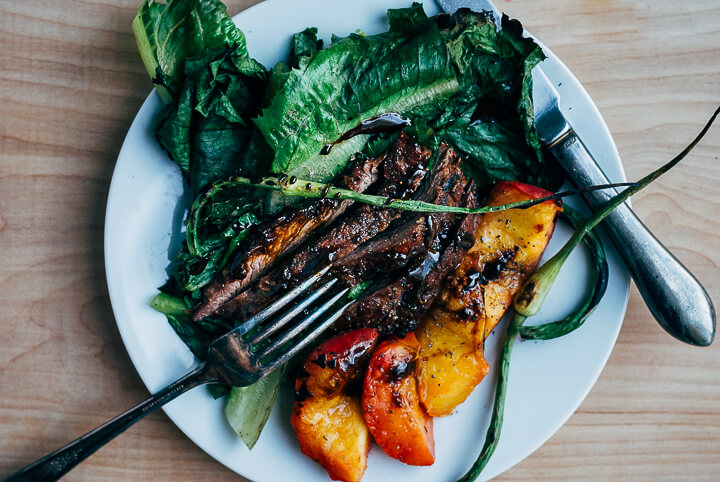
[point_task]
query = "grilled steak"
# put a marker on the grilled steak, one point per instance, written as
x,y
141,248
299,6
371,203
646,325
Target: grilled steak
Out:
x,y
435,271
401,245
402,172
278,237
398,307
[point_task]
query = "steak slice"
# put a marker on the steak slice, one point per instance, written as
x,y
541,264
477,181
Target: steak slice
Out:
x,y
437,269
401,245
398,307
402,172
278,237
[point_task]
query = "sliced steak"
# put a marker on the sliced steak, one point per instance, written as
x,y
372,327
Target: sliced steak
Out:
x,y
398,307
402,172
437,269
400,246
272,240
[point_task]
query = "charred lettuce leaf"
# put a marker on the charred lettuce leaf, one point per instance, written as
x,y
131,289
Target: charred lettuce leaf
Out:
x,y
169,33
407,20
198,59
304,44
458,78
354,78
491,121
208,130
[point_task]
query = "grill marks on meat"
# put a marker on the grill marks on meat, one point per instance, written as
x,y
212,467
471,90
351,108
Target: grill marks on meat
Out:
x,y
401,245
402,173
419,252
429,282
280,236
398,307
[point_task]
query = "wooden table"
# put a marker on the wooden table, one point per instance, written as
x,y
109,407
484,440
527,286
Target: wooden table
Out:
x,y
70,84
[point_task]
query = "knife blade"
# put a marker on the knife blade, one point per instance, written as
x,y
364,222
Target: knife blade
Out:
x,y
674,296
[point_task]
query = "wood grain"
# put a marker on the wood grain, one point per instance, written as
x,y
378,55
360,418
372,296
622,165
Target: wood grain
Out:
x,y
70,84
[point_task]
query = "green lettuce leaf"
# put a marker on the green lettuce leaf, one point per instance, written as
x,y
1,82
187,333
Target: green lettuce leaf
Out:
x,y
353,79
208,131
169,33
304,44
496,151
407,20
248,408
459,80
199,61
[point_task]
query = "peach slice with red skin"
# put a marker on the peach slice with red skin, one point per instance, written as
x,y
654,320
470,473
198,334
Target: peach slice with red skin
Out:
x,y
327,418
508,246
391,406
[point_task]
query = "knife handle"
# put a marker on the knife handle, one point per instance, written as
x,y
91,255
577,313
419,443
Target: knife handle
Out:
x,y
674,296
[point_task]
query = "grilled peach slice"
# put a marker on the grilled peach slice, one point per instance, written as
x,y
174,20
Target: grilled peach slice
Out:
x,y
511,244
391,406
327,419
451,361
508,246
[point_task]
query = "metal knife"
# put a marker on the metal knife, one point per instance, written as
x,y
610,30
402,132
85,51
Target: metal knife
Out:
x,y
674,296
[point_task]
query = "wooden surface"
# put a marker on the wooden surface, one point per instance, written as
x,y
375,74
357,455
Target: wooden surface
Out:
x,y
70,84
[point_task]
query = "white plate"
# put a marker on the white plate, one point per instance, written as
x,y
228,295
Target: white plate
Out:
x,y
146,205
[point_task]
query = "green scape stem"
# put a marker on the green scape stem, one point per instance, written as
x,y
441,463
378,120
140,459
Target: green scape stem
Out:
x,y
598,286
492,437
232,247
318,190
357,290
532,295
191,234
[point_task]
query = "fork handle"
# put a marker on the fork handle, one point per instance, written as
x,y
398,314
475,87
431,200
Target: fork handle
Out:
x,y
674,296
61,461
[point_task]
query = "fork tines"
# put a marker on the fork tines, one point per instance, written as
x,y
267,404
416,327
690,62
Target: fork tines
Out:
x,y
297,327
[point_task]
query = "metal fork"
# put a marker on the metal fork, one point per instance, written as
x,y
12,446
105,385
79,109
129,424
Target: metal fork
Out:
x,y
239,358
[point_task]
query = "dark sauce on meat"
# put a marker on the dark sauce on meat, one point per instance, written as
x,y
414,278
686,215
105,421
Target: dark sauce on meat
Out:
x,y
383,123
